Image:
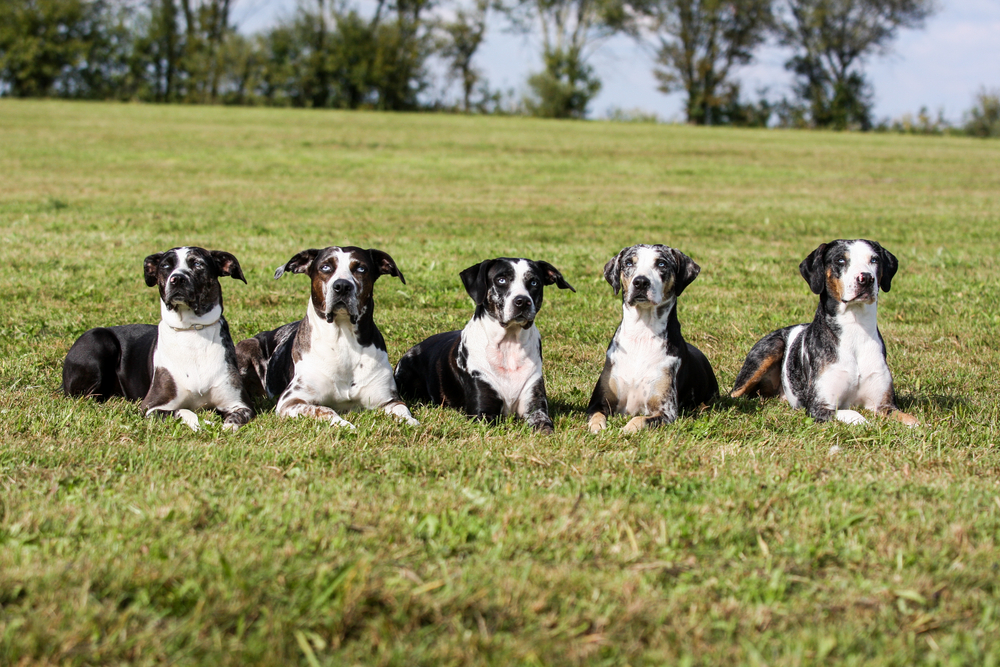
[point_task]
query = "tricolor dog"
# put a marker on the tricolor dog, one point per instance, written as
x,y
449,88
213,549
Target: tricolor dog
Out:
x,y
650,371
185,363
836,362
334,359
492,367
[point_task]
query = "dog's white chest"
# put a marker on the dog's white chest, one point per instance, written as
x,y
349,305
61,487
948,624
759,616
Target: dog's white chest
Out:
x,y
509,363
338,372
640,369
860,377
195,359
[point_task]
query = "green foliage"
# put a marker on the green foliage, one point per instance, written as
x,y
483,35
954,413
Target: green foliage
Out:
x,y
983,119
701,42
831,38
564,88
733,536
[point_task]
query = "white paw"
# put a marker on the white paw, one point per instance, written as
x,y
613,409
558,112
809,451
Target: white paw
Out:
x,y
411,421
850,417
402,413
189,418
597,423
337,421
231,427
634,425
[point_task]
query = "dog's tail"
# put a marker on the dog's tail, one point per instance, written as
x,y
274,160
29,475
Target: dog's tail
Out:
x,y
761,372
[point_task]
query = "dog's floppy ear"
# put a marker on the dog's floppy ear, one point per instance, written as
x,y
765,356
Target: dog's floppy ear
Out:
x,y
228,265
149,268
551,275
385,265
887,266
297,264
813,269
687,271
613,271
474,279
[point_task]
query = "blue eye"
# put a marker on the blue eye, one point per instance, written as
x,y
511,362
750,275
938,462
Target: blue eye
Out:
x,y
661,265
841,261
874,260
534,283
361,269
501,281
326,268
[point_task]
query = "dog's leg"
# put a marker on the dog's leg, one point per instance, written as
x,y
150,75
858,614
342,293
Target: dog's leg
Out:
x,y
850,417
534,408
162,399
294,406
761,372
663,405
399,410
235,417
597,422
890,409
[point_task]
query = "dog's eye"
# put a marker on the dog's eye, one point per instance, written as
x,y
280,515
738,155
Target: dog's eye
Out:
x,y
874,260
326,268
661,264
841,261
197,264
628,262
361,269
501,281
534,283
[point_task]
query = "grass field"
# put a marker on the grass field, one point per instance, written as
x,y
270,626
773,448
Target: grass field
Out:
x,y
730,537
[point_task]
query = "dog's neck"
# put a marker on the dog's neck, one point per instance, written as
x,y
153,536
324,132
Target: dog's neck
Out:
x,y
654,319
856,314
183,318
489,329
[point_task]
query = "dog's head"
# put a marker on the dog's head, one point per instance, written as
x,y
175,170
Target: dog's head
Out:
x,y
343,278
189,277
849,271
510,289
649,275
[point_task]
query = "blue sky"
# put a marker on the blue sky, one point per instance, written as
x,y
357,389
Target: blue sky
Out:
x,y
940,66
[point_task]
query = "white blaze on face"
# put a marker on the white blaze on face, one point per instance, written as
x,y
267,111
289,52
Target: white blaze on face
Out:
x,y
342,272
181,266
860,258
645,263
518,287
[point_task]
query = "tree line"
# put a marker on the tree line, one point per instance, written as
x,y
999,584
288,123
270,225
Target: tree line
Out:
x,y
332,55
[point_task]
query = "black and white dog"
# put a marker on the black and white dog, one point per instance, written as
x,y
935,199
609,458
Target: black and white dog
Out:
x,y
837,361
185,363
649,369
334,359
492,367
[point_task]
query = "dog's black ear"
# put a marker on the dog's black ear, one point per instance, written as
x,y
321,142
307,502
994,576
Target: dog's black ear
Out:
x,y
149,268
813,269
687,271
613,271
887,266
297,264
385,265
228,265
474,279
551,275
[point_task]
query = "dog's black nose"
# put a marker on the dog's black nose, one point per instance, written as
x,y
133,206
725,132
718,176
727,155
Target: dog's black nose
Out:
x,y
521,302
640,282
342,287
865,279
177,278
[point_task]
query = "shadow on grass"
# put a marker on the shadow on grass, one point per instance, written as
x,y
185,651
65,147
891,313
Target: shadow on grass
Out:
x,y
938,401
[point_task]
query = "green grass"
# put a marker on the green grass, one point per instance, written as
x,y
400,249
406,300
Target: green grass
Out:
x,y
731,536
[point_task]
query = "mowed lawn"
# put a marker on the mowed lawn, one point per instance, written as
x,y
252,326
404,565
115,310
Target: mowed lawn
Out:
x,y
733,536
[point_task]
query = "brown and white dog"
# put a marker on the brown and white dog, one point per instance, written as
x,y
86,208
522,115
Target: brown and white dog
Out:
x,y
334,359
185,363
837,361
650,371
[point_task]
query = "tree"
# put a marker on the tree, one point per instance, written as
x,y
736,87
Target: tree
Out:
x,y
462,37
571,30
832,39
700,44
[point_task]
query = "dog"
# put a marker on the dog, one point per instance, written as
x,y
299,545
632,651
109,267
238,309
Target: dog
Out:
x,y
334,359
187,362
493,366
649,369
837,361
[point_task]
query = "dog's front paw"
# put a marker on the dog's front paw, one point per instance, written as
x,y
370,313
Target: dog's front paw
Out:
x,y
905,418
850,417
634,425
597,422
337,421
189,418
231,426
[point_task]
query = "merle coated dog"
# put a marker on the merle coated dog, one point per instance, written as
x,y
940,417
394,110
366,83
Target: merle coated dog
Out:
x,y
185,363
837,361
650,371
334,359
492,367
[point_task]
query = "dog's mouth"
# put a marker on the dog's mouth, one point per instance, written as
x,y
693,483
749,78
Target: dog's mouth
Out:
x,y
637,298
342,307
